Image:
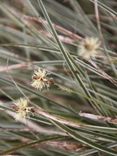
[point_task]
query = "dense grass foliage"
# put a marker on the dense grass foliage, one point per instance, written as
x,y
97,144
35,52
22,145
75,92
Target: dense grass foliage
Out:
x,y
58,77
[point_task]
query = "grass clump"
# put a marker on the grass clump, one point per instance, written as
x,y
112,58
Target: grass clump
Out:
x,y
58,78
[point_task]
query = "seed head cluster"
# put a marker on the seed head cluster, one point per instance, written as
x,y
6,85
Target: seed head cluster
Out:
x,y
22,109
88,47
40,79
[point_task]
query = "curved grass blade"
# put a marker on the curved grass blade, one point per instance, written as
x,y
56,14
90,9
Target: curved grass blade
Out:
x,y
84,140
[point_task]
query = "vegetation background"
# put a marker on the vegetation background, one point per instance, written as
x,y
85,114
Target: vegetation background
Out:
x,y
77,114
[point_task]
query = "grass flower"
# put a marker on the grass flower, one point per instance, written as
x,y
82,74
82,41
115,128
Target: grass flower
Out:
x,y
22,108
40,79
89,47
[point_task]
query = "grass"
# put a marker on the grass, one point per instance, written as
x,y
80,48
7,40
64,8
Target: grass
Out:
x,y
75,111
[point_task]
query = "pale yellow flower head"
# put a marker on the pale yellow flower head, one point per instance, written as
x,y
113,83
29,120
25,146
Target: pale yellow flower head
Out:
x,y
40,79
22,109
88,47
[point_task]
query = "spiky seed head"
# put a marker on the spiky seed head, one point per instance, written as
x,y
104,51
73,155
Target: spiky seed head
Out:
x,y
88,47
22,109
40,79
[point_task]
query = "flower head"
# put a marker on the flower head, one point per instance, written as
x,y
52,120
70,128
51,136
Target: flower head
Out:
x,y
89,47
40,79
22,108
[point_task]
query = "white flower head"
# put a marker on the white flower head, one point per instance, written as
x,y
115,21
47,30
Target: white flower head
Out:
x,y
40,79
88,47
22,109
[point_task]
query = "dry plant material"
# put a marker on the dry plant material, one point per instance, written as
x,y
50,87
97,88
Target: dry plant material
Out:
x,y
40,79
88,47
22,109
